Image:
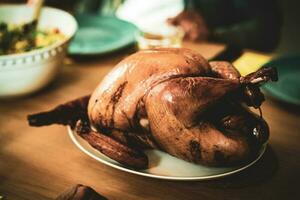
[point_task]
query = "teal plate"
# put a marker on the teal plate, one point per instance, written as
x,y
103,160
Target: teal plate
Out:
x,y
100,35
287,89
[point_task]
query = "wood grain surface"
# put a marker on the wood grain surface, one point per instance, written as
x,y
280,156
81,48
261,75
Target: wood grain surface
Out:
x,y
40,163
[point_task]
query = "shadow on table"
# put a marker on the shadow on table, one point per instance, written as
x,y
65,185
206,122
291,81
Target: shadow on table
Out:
x,y
260,172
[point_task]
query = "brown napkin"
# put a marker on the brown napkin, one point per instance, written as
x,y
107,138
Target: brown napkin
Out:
x,y
80,192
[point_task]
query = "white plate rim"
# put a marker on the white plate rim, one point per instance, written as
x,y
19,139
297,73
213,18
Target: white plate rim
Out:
x,y
174,178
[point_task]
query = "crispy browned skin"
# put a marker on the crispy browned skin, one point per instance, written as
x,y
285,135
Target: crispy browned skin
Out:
x,y
117,99
178,114
223,69
173,100
173,89
112,148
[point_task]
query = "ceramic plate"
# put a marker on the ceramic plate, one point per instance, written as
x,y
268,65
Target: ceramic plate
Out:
x,y
101,34
164,166
287,88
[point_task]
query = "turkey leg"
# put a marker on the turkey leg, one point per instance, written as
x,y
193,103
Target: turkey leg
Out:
x,y
174,109
65,114
112,148
74,113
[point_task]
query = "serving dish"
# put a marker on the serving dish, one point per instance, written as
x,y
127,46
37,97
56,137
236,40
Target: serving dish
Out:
x,y
183,115
163,165
27,72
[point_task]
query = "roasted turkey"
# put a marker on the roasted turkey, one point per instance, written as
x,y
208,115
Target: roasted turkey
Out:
x,y
174,100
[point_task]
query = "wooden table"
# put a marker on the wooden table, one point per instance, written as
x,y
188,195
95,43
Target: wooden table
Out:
x,y
39,163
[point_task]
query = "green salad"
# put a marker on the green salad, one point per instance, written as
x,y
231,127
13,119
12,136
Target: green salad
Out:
x,y
22,38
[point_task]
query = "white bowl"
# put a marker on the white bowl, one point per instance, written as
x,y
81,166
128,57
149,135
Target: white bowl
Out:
x,y
24,73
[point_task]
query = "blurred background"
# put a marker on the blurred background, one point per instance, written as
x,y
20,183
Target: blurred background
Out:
x,y
252,32
286,17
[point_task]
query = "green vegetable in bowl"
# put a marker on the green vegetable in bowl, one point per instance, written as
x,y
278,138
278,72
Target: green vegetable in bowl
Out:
x,y
23,38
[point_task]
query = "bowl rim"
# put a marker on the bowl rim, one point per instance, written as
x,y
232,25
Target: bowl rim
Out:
x,y
46,48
